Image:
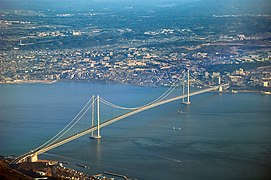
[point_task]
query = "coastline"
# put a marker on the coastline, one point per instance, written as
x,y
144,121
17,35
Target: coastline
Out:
x,y
49,169
54,81
41,169
30,82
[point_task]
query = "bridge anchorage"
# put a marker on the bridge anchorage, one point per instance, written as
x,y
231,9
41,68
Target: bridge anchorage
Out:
x,y
98,107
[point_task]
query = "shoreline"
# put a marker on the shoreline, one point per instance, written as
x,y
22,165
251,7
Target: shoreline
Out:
x,y
50,169
54,81
30,82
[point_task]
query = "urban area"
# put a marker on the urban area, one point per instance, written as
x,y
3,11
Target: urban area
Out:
x,y
130,47
48,53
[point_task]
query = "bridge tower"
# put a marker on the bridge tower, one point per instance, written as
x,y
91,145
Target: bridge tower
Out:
x,y
183,84
92,114
98,136
188,89
98,117
220,89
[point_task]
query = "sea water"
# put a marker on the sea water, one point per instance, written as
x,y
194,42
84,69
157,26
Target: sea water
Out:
x,y
218,136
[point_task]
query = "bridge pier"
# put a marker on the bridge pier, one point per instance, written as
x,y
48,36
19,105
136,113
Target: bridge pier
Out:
x,y
187,103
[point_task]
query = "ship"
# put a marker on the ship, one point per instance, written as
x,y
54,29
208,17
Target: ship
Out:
x,y
83,166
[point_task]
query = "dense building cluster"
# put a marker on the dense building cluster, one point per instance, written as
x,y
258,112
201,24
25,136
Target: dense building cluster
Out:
x,y
65,47
138,66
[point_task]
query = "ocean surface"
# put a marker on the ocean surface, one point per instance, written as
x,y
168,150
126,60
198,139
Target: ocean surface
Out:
x,y
219,136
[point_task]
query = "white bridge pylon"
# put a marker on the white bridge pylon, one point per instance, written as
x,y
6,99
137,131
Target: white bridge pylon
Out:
x,y
98,136
188,88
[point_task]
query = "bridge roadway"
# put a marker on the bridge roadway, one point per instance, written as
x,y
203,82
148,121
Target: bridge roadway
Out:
x,y
104,124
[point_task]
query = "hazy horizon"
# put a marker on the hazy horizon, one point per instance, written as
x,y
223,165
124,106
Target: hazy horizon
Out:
x,y
248,6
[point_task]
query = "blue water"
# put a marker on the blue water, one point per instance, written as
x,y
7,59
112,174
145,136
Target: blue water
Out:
x,y
221,136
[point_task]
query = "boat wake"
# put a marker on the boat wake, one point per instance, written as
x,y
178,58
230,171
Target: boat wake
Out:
x,y
170,159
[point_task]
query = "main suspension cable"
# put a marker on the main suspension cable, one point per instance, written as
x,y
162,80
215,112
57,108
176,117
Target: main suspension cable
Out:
x,y
161,97
72,121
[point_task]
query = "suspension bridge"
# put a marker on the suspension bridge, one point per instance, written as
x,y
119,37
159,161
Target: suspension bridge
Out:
x,y
81,124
